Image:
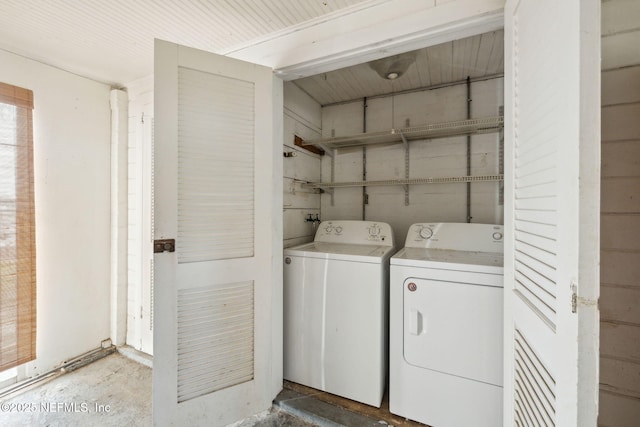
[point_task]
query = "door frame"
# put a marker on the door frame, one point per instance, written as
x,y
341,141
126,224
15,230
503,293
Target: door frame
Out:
x,y
404,40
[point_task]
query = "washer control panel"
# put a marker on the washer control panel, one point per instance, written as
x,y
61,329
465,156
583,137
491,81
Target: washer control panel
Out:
x,y
355,232
456,236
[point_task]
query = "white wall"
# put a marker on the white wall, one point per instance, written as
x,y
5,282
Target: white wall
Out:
x,y
72,196
139,249
620,217
443,157
620,246
302,117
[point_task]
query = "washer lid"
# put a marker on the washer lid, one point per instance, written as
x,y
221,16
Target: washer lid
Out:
x,y
482,262
341,251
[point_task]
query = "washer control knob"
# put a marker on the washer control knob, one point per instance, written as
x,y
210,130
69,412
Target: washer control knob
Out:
x,y
338,229
374,230
328,228
426,233
497,235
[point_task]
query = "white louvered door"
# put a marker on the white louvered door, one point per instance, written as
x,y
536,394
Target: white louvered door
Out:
x,y
217,298
551,212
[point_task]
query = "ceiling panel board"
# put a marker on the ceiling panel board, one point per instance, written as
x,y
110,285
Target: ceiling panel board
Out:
x,y
496,57
446,64
336,90
460,48
476,57
471,58
423,68
433,60
341,82
484,51
112,41
413,76
325,88
359,79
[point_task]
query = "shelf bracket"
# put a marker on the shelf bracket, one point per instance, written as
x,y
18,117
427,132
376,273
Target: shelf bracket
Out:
x,y
406,168
333,173
328,151
299,142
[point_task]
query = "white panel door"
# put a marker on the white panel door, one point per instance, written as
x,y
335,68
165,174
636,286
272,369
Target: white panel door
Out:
x,y
445,322
551,284
218,297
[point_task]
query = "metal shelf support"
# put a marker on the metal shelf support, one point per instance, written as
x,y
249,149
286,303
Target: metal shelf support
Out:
x,y
403,182
406,168
435,130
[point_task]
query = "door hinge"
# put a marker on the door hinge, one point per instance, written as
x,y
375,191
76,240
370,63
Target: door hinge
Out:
x,y
574,297
164,245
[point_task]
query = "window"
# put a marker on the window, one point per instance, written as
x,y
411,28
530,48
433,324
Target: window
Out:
x,y
17,228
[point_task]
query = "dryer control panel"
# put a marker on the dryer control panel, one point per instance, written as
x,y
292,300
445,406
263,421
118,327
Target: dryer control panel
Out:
x,y
355,232
456,236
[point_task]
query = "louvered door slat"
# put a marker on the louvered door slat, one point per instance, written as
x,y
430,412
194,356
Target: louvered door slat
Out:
x,y
534,384
215,338
215,167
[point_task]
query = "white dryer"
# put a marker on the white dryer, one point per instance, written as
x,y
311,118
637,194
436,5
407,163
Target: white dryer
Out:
x,y
335,310
446,294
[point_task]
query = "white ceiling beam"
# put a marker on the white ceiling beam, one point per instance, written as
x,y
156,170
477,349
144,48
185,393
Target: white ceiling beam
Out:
x,y
383,29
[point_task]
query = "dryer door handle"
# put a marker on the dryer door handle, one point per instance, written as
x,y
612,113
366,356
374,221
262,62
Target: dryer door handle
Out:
x,y
416,322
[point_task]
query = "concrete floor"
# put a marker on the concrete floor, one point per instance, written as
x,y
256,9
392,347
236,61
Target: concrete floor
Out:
x,y
113,391
116,391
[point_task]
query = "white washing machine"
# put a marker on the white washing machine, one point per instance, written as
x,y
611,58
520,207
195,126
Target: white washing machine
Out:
x,y
335,310
446,325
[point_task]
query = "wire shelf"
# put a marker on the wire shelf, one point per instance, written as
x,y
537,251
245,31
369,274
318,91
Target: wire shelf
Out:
x,y
435,130
413,181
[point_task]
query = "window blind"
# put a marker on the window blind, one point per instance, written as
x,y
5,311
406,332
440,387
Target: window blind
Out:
x,y
17,228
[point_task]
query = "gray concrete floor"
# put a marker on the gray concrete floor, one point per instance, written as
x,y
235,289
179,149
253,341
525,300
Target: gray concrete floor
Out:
x,y
276,418
113,391
116,391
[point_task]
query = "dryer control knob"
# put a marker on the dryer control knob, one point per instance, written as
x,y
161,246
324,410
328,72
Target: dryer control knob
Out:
x,y
426,233
497,236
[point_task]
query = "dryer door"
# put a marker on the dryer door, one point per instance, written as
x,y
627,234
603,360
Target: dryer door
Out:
x,y
454,328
